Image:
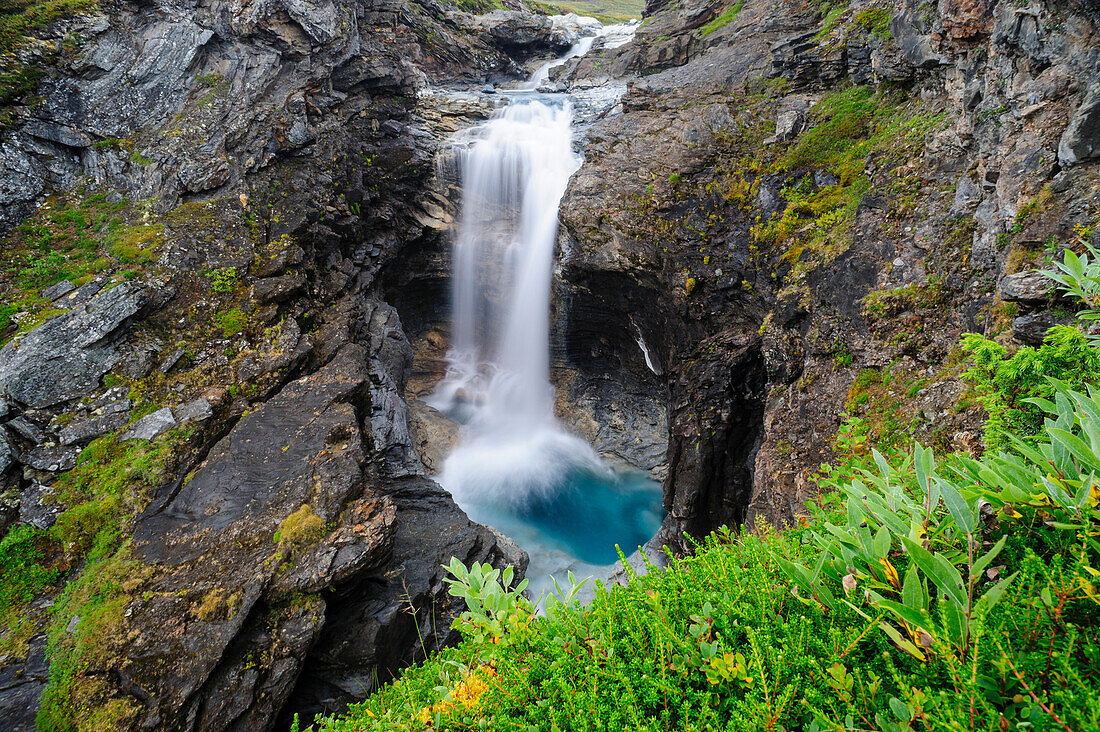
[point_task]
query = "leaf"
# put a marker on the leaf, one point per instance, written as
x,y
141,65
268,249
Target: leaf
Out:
x,y
900,642
939,570
913,618
965,518
993,595
913,593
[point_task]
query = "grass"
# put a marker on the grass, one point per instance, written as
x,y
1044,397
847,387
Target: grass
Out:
x,y
605,11
19,19
727,17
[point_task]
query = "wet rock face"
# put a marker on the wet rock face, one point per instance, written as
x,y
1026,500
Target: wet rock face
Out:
x,y
65,358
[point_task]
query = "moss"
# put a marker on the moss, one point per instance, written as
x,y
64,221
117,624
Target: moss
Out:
x,y
300,529
212,606
75,236
882,304
728,16
233,321
75,699
875,21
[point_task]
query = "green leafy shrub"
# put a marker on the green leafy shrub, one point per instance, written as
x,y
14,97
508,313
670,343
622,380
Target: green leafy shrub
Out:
x,y
1007,385
958,595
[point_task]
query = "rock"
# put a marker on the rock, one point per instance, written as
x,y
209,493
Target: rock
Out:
x,y
87,430
27,430
1081,140
210,545
1032,328
150,426
278,289
488,89
35,511
82,294
1031,286
64,287
65,357
51,459
787,125
21,687
204,174
198,410
907,30
805,63
519,34
7,454
171,360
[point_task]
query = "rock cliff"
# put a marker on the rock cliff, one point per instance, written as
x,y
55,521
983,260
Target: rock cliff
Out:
x,y
804,206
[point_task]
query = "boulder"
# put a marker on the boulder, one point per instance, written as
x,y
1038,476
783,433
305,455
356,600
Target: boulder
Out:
x,y
1081,140
209,543
87,430
1032,328
65,357
51,459
150,426
198,410
1031,286
7,454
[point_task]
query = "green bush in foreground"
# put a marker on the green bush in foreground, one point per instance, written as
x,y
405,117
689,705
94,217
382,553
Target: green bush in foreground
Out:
x,y
957,596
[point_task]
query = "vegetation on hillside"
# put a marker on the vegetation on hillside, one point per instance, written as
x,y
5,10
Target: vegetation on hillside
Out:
x,y
918,593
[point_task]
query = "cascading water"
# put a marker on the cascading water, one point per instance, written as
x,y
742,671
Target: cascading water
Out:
x,y
516,468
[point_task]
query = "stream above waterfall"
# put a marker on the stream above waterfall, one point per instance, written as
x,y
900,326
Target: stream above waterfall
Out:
x,y
515,467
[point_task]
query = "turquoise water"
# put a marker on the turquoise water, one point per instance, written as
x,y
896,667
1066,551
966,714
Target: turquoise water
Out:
x,y
576,524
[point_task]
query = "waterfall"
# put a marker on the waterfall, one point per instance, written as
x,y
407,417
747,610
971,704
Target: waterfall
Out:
x,y
515,169
515,467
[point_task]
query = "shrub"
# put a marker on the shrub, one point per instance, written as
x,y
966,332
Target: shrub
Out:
x,y
1007,385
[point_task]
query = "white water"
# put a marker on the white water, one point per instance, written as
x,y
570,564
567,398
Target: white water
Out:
x,y
515,466
515,171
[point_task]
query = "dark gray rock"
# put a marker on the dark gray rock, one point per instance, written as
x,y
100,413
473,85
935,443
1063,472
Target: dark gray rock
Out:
x,y
1031,286
82,294
21,687
171,360
87,430
51,459
26,429
1032,328
65,357
278,289
198,410
1081,140
7,454
909,33
34,510
150,426
64,287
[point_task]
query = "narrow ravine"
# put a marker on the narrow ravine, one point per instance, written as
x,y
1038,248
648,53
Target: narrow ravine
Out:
x,y
516,467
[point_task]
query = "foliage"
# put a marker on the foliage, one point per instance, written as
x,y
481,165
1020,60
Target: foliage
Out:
x,y
24,568
1007,385
1080,276
76,237
875,21
958,594
233,321
300,529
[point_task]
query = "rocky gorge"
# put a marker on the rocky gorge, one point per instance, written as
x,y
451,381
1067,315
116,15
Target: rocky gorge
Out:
x,y
226,267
